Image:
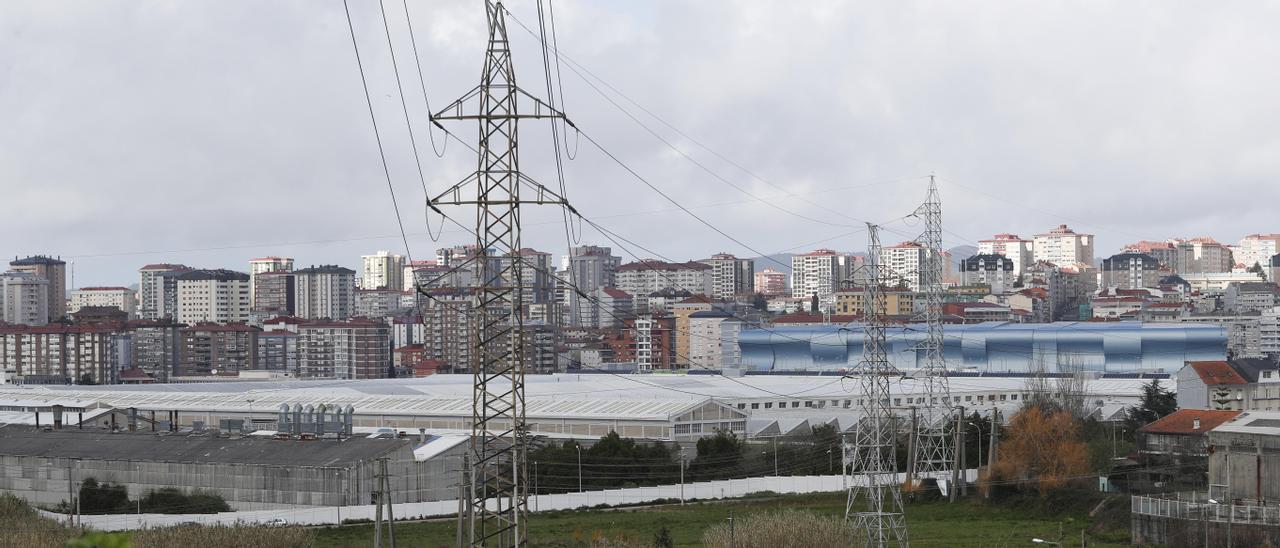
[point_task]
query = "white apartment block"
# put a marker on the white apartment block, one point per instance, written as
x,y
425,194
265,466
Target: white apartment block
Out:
x,y
904,264
324,292
382,270
641,278
1063,247
414,269
730,276
1269,332
1018,250
24,298
820,273
157,290
1257,249
219,296
122,298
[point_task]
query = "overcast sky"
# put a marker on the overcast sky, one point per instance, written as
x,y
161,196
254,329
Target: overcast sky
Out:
x,y
208,133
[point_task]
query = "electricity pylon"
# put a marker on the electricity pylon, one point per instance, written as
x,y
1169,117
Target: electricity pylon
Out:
x,y
874,504
933,447
499,485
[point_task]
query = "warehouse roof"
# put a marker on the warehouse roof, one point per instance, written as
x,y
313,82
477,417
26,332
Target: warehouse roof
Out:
x,y
100,444
574,396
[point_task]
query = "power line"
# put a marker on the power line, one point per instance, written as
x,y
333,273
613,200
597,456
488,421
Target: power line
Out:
x,y
386,171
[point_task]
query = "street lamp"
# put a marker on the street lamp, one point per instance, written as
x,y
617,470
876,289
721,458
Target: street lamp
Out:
x,y
979,427
579,448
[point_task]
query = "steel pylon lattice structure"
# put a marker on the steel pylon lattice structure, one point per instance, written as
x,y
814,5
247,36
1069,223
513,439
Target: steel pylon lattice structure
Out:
x,y
498,492
874,504
933,448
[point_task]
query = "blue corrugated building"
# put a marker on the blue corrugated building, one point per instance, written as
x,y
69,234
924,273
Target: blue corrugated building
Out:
x,y
994,347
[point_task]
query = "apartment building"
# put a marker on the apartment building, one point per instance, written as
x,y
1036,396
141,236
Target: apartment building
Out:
x,y
274,293
1130,270
641,278
713,340
447,328
217,349
988,269
771,283
1063,246
820,273
382,270
324,292
23,298
263,265
1018,250
217,295
730,276
158,290
58,354
1202,256
122,298
53,270
1257,249
352,349
897,302
154,347
1243,297
376,303
681,312
1165,253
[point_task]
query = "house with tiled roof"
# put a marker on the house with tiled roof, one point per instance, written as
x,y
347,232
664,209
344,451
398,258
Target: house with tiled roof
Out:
x,y
1184,432
1236,384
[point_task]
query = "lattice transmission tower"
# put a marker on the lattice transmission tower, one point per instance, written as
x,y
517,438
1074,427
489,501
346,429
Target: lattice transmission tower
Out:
x,y
874,505
498,492
933,447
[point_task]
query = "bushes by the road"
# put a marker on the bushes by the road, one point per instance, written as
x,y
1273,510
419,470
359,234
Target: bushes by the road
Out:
x,y
23,527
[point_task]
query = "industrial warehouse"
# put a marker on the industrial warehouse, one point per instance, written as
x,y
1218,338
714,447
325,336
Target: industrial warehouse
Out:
x,y
678,408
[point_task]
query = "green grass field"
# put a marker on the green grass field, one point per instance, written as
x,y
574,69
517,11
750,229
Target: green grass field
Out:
x,y
964,523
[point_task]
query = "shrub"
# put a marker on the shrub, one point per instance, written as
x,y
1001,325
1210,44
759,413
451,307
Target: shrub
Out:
x,y
782,529
171,500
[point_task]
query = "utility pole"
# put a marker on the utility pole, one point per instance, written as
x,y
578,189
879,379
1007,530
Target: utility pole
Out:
x,y
681,476
874,504
383,495
957,470
991,450
499,497
775,456
933,451
71,495
377,512
462,497
386,493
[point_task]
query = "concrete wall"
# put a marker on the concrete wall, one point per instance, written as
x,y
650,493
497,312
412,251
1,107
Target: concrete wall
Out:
x,y
43,480
1247,465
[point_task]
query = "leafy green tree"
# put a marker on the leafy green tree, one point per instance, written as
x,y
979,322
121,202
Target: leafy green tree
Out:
x,y
105,498
719,457
1157,401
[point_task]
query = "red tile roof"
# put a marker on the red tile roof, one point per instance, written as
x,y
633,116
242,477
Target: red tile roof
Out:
x,y
615,293
1183,421
1217,372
